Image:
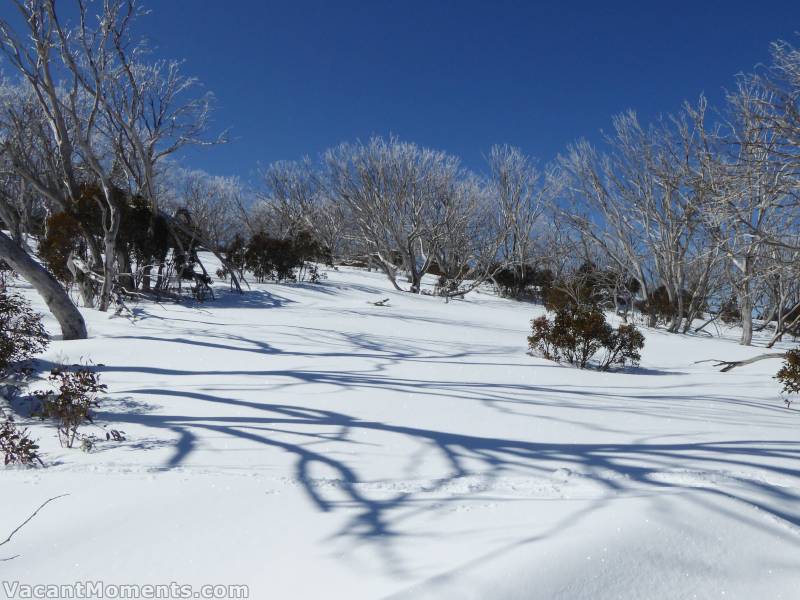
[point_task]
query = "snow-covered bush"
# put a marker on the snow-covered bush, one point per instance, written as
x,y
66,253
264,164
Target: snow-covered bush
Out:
x,y
577,333
71,404
21,331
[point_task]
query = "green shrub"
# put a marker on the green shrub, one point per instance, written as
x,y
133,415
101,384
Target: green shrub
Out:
x,y
21,331
284,259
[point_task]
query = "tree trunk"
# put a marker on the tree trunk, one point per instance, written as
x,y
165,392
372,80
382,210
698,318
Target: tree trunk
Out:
x,y
109,273
56,297
125,274
746,308
87,289
146,276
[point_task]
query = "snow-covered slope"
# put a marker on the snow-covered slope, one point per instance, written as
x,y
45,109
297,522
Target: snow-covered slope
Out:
x,y
311,445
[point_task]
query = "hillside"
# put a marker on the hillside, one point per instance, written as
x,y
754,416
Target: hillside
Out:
x,y
302,441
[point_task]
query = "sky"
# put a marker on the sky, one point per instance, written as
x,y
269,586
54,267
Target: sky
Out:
x,y
293,78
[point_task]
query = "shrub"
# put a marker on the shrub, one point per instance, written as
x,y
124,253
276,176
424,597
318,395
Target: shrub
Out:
x,y
283,259
21,331
314,275
541,339
63,237
622,347
663,309
577,333
235,252
72,403
523,281
6,273
270,258
555,298
789,374
16,446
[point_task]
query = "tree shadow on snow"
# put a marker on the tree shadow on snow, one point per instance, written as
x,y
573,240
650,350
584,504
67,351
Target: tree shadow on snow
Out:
x,y
317,439
322,441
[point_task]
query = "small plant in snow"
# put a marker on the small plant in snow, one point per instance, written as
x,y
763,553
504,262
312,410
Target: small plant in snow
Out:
x,y
578,333
789,375
21,331
16,446
71,404
314,274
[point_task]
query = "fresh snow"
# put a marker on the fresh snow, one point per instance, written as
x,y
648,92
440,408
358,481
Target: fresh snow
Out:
x,y
302,441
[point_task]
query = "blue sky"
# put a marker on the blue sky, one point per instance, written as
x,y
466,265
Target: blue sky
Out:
x,y
294,77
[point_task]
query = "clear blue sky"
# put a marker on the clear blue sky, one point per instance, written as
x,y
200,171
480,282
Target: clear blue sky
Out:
x,y
294,77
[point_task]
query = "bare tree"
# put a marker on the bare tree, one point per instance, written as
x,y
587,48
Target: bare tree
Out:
x,y
745,207
111,116
521,194
598,208
641,203
212,202
70,73
389,188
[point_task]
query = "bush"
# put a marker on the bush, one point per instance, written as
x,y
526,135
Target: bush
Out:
x,y
72,403
63,237
523,281
284,259
6,273
21,331
16,446
622,347
663,309
270,258
789,374
541,339
577,333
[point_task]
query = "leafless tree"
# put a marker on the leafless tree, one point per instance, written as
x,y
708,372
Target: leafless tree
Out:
x,y
111,116
212,202
389,189
641,203
521,193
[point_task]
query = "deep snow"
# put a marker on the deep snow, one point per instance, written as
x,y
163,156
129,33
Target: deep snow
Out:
x,y
302,441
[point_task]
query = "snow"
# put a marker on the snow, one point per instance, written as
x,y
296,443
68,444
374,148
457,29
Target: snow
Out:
x,y
309,444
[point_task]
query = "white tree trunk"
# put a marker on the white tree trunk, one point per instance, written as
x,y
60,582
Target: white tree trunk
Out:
x,y
56,297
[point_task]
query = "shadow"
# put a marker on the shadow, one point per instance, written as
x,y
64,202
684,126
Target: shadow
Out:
x,y
255,298
752,467
762,474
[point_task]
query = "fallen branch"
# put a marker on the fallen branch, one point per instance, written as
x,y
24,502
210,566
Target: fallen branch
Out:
x,y
727,365
26,521
707,323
